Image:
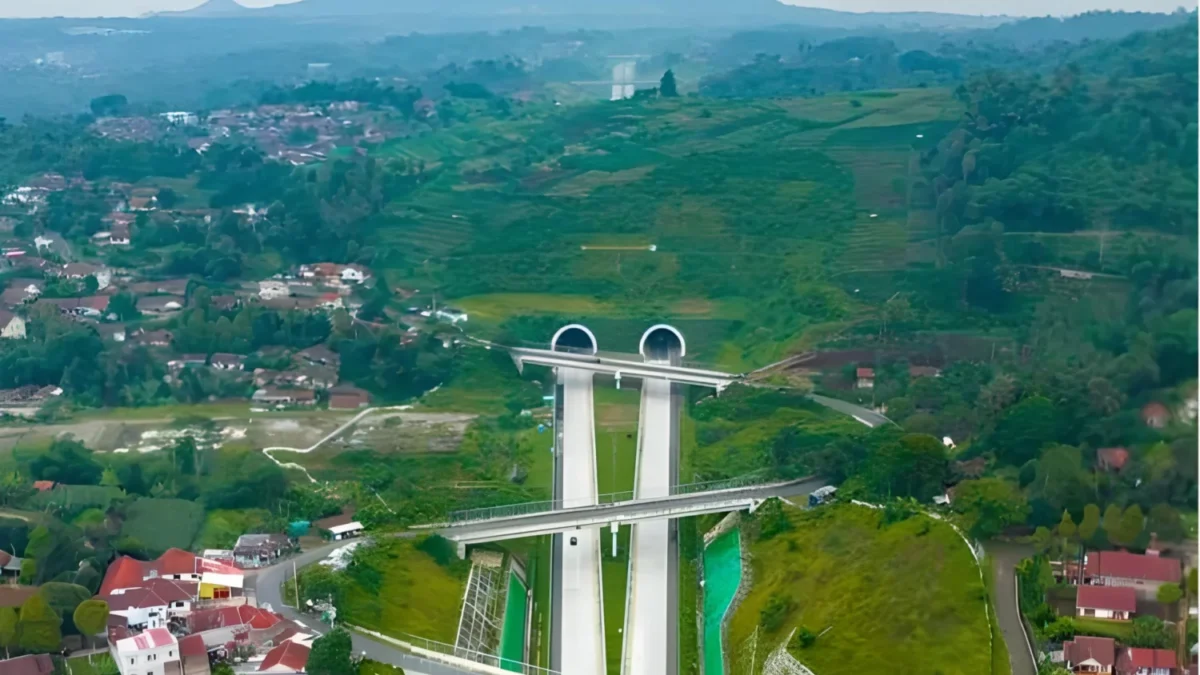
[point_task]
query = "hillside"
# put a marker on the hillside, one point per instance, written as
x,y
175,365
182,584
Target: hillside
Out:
x,y
778,11
754,210
909,589
212,9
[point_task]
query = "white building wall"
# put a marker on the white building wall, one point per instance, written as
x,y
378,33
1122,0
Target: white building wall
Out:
x,y
15,329
148,662
150,617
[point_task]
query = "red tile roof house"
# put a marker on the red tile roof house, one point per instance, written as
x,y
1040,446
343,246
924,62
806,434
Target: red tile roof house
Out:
x,y
30,664
1135,661
174,565
240,625
866,378
1144,573
155,652
348,398
1090,654
153,603
1155,415
1111,459
289,657
195,655
1106,602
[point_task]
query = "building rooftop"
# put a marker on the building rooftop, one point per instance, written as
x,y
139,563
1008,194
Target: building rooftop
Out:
x,y
1101,651
1115,598
1127,565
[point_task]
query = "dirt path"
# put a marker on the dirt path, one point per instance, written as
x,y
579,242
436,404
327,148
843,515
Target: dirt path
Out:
x,y
402,411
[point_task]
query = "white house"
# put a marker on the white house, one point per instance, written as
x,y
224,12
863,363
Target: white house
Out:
x,y
12,327
355,274
151,604
180,117
865,378
155,652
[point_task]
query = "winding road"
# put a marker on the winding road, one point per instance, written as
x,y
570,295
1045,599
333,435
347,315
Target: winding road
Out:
x,y
1004,561
328,437
267,583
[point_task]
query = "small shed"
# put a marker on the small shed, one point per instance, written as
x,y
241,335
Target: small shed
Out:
x,y
347,531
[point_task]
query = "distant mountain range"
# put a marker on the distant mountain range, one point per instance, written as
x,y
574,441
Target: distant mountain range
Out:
x,y
532,9
213,8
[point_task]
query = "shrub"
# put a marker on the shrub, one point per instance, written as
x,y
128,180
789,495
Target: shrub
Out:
x,y
775,612
443,551
805,638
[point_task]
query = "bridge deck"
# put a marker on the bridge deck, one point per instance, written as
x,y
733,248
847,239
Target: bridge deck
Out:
x,y
646,637
581,619
631,511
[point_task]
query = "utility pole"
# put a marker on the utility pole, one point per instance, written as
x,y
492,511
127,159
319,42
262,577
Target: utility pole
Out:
x,y
296,580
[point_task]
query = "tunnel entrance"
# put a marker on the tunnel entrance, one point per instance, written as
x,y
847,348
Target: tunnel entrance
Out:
x,y
662,343
574,338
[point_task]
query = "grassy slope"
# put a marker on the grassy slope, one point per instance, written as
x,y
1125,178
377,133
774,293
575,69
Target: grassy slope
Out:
x,y
416,596
748,203
910,591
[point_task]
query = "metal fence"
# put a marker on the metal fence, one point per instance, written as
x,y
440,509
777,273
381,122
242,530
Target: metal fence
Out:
x,y
476,656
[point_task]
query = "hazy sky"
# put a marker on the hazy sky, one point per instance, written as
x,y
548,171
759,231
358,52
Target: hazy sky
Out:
x,y
36,8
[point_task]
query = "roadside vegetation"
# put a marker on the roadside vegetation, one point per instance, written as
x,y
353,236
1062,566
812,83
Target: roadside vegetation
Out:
x,y
846,576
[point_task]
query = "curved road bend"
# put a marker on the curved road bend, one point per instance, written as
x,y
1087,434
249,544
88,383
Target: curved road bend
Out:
x,y
267,583
328,437
865,415
1004,561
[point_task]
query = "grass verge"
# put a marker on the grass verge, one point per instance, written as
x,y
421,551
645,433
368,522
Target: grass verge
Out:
x,y
1117,630
908,589
397,589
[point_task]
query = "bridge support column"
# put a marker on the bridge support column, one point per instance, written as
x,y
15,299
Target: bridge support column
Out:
x,y
614,527
462,551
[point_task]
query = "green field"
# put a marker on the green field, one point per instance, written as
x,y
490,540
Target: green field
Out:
x,y
91,665
405,592
160,524
222,527
752,207
1117,630
910,590
729,436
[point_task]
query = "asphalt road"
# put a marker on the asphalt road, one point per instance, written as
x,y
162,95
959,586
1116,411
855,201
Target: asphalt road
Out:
x,y
865,415
1004,559
268,581
581,618
623,510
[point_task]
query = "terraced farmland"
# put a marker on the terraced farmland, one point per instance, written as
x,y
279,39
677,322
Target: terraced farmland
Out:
x,y
741,202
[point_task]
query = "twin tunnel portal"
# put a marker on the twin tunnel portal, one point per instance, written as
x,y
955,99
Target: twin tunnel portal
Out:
x,y
651,610
576,518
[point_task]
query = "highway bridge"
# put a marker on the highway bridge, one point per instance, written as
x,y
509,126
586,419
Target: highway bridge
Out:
x,y
626,512
576,514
